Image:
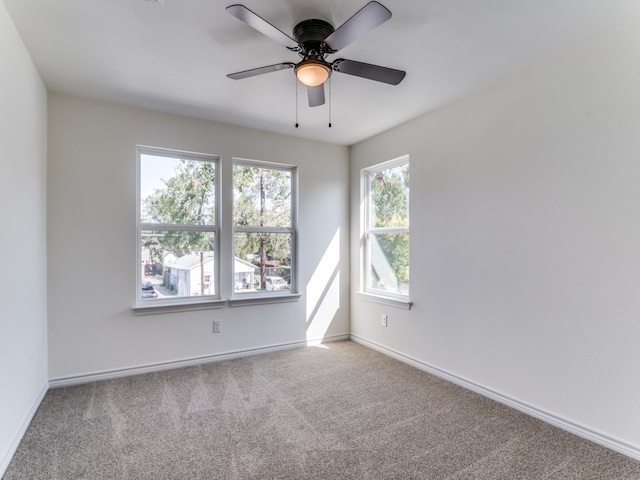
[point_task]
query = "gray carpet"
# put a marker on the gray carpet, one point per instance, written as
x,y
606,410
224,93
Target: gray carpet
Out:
x,y
339,411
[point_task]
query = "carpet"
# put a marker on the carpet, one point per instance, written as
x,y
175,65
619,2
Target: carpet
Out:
x,y
335,411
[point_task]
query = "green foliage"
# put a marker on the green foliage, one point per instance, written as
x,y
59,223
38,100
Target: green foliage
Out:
x,y
188,198
390,197
262,198
390,208
152,244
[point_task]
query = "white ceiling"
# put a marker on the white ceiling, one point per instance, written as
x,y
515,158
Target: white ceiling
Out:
x,y
175,57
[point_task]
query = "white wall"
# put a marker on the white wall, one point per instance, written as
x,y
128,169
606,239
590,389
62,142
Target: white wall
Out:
x,y
525,237
92,241
23,175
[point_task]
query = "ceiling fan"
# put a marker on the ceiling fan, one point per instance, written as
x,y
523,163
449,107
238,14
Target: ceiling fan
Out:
x,y
314,40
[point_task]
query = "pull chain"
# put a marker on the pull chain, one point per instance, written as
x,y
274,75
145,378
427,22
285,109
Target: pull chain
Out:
x,y
296,103
329,102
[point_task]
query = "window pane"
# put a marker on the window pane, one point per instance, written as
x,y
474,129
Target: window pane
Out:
x,y
262,261
261,196
177,264
176,191
389,191
389,261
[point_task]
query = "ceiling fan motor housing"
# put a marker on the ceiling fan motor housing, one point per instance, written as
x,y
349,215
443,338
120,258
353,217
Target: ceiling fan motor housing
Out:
x,y
310,34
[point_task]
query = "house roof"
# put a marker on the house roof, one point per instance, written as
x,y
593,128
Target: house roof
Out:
x,y
192,260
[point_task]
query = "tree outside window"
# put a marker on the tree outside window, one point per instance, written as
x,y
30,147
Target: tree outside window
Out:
x,y
386,268
263,215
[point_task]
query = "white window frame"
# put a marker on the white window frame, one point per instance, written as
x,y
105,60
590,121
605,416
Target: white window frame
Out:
x,y
368,293
180,303
239,298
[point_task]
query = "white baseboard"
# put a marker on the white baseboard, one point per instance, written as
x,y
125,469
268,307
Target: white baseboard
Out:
x,y
187,362
567,425
17,438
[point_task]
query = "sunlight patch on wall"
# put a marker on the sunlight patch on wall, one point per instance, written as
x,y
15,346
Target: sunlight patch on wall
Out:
x,y
323,291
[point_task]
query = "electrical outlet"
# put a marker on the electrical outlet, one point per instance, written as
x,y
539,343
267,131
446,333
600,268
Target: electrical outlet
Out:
x,y
217,326
384,319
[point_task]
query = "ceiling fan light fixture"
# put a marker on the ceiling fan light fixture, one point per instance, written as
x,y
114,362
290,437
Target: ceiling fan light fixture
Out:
x,y
312,73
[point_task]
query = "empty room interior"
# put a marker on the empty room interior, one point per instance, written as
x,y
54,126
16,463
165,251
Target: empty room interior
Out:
x,y
453,202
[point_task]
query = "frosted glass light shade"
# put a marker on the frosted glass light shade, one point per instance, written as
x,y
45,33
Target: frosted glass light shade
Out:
x,y
312,73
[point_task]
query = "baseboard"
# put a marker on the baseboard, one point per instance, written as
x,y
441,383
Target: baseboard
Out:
x,y
17,438
187,362
567,425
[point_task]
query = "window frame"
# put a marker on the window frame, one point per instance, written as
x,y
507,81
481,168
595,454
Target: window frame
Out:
x,y
367,292
238,297
183,302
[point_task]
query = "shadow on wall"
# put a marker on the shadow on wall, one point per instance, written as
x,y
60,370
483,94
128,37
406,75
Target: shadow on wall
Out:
x,y
323,292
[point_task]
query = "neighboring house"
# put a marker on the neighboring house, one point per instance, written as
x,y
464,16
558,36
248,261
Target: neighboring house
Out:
x,y
243,274
183,274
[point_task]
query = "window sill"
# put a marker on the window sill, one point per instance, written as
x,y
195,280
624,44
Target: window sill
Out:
x,y
244,301
154,309
392,302
239,301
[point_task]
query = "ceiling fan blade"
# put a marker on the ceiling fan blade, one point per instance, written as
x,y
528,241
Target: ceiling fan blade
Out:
x,y
316,95
260,70
260,24
365,19
369,71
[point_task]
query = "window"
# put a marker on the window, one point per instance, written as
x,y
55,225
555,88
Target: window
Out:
x,y
386,205
177,227
264,199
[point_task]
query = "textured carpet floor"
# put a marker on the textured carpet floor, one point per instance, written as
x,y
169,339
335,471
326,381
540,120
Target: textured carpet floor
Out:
x,y
339,411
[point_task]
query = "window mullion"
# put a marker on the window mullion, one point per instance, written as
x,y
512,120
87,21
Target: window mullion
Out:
x,y
172,227
263,229
389,230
